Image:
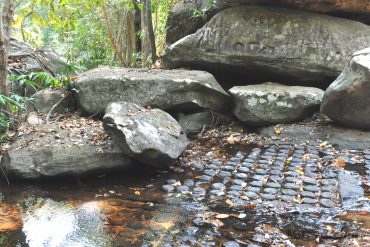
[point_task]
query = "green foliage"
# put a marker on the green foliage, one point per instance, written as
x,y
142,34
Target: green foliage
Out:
x,y
76,28
202,13
39,80
15,104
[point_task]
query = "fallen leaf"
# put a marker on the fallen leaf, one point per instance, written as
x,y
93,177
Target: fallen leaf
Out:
x,y
222,216
324,144
231,140
230,203
137,193
289,160
277,131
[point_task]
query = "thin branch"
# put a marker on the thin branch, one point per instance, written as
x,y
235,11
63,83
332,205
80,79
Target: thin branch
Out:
x,y
55,106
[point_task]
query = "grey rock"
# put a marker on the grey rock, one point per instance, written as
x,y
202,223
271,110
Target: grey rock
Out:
x,y
328,195
45,99
307,200
308,194
182,189
23,58
49,150
165,89
151,136
271,103
199,191
183,19
350,185
231,244
268,43
327,203
218,186
168,188
195,122
189,182
347,100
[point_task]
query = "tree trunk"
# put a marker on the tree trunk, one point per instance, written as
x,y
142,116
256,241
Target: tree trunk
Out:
x,y
145,44
148,48
151,30
6,14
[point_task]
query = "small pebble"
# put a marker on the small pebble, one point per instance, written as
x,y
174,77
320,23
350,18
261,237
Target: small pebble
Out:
x,y
259,177
192,230
270,191
233,193
273,185
231,244
244,169
168,188
308,200
311,181
188,182
275,178
251,195
311,188
286,198
217,192
171,181
199,191
236,187
224,174
205,178
218,186
198,166
256,183
329,188
239,182
254,189
241,175
213,167
328,195
289,192
308,194
269,197
327,203
291,186
228,168
210,172
183,189
217,163
291,179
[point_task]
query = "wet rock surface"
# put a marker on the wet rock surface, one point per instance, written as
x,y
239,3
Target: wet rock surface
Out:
x,y
151,136
319,131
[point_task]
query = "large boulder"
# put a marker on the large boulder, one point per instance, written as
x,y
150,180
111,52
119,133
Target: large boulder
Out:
x,y
164,89
44,100
195,122
347,100
271,103
188,16
264,43
24,59
151,136
71,147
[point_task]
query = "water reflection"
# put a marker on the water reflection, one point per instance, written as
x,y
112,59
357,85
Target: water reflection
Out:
x,y
56,224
